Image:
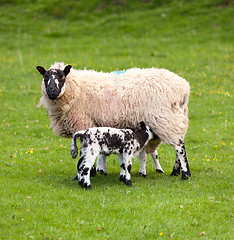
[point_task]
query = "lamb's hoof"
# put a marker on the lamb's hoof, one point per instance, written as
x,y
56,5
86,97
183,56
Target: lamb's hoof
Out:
x,y
86,186
143,175
81,182
122,178
101,172
160,171
75,178
185,176
93,171
128,183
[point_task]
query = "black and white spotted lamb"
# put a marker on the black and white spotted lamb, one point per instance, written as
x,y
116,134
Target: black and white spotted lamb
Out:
x,y
126,143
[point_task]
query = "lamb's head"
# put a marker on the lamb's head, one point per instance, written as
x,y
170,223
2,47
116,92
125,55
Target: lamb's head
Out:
x,y
147,129
54,80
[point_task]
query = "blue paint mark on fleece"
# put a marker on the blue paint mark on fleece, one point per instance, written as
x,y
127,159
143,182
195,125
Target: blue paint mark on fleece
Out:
x,y
118,72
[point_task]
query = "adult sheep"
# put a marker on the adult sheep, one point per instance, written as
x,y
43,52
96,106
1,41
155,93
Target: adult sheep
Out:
x,y
81,99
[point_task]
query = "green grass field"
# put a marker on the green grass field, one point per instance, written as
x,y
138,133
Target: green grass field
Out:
x,y
38,199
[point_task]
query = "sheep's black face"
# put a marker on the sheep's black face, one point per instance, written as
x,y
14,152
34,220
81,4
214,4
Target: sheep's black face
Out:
x,y
54,81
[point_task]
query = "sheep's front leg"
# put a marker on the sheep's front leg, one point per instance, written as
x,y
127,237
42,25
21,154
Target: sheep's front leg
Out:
x,y
157,165
143,159
101,164
183,162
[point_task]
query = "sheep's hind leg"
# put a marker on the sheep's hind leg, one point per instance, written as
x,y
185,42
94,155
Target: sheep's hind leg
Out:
x,y
182,161
177,166
157,165
101,164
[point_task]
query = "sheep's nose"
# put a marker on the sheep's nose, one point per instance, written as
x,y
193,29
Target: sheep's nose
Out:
x,y
51,90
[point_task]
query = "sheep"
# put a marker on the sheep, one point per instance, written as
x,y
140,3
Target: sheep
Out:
x,y
81,99
126,143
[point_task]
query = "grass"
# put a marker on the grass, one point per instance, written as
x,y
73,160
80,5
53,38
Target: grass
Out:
x,y
38,198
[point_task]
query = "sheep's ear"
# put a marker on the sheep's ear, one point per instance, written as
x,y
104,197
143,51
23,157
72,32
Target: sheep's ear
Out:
x,y
143,127
41,70
67,69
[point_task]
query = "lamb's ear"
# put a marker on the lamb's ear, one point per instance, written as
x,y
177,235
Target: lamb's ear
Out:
x,y
143,127
41,70
67,69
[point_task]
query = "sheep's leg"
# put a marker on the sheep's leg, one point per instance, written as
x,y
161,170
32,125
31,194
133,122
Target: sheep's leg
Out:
x,y
157,165
143,159
182,160
128,166
177,166
101,164
122,176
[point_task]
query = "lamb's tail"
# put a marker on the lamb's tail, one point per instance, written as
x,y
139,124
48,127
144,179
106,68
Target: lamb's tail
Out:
x,y
73,147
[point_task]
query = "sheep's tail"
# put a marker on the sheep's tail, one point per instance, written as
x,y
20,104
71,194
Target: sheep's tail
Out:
x,y
73,147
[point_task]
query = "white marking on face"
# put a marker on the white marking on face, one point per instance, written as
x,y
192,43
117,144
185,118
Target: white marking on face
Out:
x,y
62,91
57,83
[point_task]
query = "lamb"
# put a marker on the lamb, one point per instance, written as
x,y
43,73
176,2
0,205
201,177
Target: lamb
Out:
x,y
81,99
126,143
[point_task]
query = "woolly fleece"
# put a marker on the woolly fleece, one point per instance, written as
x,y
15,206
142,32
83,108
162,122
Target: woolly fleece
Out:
x,y
97,99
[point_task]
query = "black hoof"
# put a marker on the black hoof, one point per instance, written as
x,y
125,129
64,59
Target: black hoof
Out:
x,y
128,183
102,172
159,171
93,171
185,176
86,186
75,178
142,174
81,182
122,178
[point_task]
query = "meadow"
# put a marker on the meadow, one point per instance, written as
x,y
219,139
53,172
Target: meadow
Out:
x,y
38,199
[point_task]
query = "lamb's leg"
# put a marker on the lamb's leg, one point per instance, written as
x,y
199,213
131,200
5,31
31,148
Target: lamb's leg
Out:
x,y
93,171
157,165
88,161
101,164
143,159
80,166
128,166
182,161
122,176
